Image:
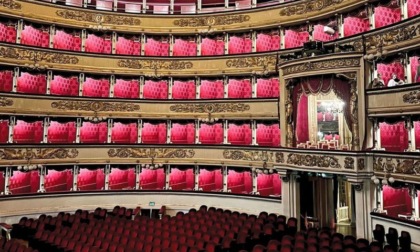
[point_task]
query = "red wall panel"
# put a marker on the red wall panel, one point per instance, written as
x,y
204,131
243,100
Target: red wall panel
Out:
x,y
211,181
122,179
4,131
28,132
153,133
89,180
211,133
58,181
61,132
181,179
152,179
24,182
269,184
394,137
124,133
240,182
183,134
65,85
396,201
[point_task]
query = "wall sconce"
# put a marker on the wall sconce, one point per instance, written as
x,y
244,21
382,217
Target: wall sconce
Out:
x,y
95,118
209,119
381,182
152,166
380,54
28,167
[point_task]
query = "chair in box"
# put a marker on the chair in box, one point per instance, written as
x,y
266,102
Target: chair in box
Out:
x,y
132,8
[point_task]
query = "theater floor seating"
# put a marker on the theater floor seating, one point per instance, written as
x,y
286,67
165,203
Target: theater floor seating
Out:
x,y
206,229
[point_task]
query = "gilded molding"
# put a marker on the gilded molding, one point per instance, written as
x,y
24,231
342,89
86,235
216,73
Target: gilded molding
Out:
x,y
210,21
155,64
279,157
308,6
263,61
36,56
10,4
247,155
150,153
48,153
360,164
408,166
349,163
5,102
95,106
321,65
87,16
412,98
313,161
210,108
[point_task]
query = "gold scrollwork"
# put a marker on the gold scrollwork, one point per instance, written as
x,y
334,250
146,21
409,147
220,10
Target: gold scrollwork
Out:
x,y
247,155
265,61
150,153
213,20
349,163
377,164
5,102
279,157
10,4
412,98
321,65
314,161
95,106
210,108
155,64
360,164
48,153
37,56
393,35
308,6
87,16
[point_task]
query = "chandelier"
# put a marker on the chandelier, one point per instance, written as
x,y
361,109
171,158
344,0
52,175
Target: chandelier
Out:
x,y
333,107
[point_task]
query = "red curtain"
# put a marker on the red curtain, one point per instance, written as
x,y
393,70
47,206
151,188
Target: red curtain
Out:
x,y
302,127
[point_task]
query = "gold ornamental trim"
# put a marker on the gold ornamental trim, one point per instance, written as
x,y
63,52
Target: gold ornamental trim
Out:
x,y
5,102
308,6
247,155
210,108
412,98
86,16
95,106
396,165
10,4
150,153
155,64
210,21
37,56
349,163
48,153
264,61
313,161
321,65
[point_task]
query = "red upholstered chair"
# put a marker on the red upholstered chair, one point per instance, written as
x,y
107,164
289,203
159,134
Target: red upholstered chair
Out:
x,y
328,137
126,88
386,16
414,63
211,89
386,70
64,86
95,87
28,132
32,83
156,47
98,44
124,133
35,37
183,134
211,46
394,137
355,25
239,88
183,90
320,35
211,133
126,46
413,7
239,134
94,132
6,81
66,41
184,48
154,133
61,132
268,88
4,131
295,38
155,90
8,32
239,45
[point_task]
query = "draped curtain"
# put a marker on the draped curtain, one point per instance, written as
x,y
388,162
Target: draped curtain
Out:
x,y
302,127
319,85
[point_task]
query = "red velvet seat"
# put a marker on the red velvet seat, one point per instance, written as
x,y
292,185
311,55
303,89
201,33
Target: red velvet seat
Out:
x,y
35,37
64,86
32,83
6,81
183,90
128,46
66,41
98,44
212,46
211,133
183,47
8,32
210,89
124,133
295,38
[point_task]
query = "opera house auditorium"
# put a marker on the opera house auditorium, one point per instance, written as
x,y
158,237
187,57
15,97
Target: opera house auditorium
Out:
x,y
209,125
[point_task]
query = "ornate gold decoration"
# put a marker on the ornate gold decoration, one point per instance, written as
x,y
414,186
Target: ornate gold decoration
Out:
x,y
247,155
37,56
354,108
289,116
321,65
213,20
5,102
210,108
87,16
95,106
308,6
349,163
263,61
10,4
155,64
413,97
151,153
360,164
349,75
48,153
377,164
314,161
409,166
279,157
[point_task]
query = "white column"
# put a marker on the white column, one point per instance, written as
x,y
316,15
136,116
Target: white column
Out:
x,y
81,81
42,173
377,134
226,38
107,172
16,72
254,175
19,31
225,131
75,174
254,132
45,125
111,86
226,4
253,3
170,83
52,34
141,87
171,6
144,7
168,131
197,87
171,42
12,123
379,198
226,87
114,38
198,41
197,132
167,177
199,6
143,36
404,10
196,178
139,128
415,203
225,174
84,36
254,34
7,175
254,86
363,204
340,23
290,193
282,39
78,126
49,79
109,133
137,171
324,201
85,3
371,15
